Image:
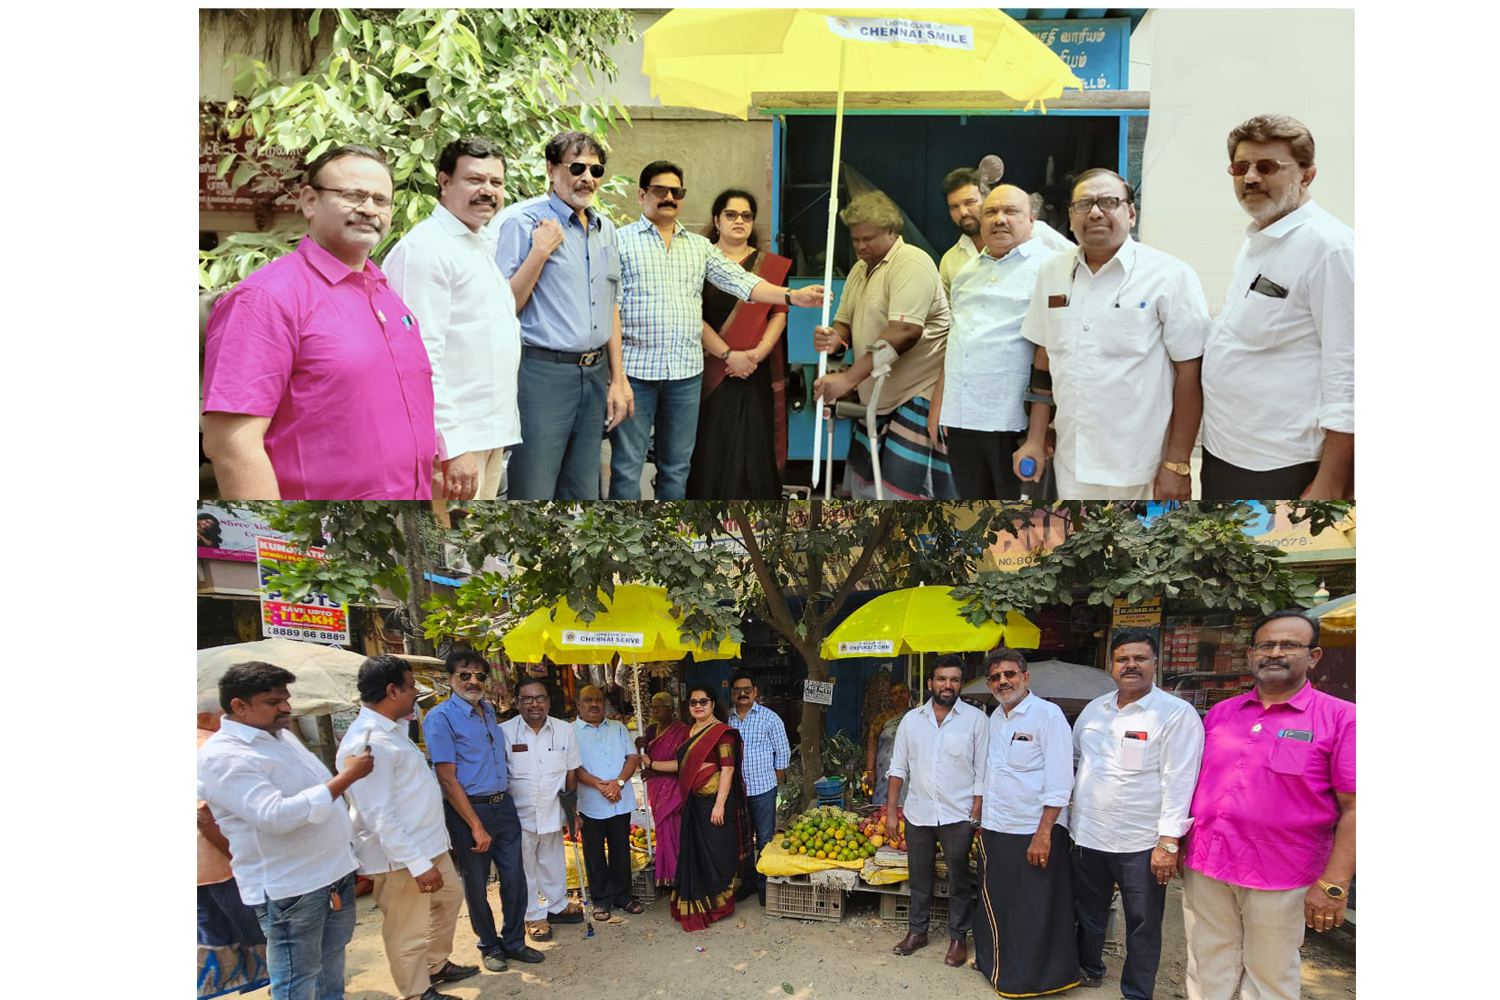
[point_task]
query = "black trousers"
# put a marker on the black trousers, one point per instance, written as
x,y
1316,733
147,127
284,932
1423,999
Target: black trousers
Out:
x,y
981,463
921,853
1095,875
609,882
1222,481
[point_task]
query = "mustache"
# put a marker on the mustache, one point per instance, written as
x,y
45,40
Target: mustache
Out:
x,y
483,199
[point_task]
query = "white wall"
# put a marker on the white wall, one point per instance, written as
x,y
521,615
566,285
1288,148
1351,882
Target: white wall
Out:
x,y
1209,71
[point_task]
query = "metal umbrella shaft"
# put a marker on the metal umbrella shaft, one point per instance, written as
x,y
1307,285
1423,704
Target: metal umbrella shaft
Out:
x,y
640,728
833,216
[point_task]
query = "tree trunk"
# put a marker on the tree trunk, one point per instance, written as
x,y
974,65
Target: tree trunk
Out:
x,y
417,568
813,723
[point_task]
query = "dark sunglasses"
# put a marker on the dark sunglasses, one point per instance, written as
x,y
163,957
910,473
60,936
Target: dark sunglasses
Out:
x,y
700,702
1265,168
576,169
1007,675
734,216
661,191
464,675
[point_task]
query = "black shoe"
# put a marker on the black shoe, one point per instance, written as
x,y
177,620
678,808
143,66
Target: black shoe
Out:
x,y
526,954
1088,981
494,960
433,994
451,973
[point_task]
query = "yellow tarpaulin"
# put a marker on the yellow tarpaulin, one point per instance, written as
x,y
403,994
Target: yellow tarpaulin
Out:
x,y
638,860
777,860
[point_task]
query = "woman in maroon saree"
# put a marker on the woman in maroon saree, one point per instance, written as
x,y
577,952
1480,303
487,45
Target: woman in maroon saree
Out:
x,y
742,418
715,863
664,734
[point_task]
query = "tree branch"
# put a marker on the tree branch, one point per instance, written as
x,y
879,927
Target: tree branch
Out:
x,y
861,566
781,615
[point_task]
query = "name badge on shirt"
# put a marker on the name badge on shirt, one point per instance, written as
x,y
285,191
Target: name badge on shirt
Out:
x,y
1057,302
519,748
1305,735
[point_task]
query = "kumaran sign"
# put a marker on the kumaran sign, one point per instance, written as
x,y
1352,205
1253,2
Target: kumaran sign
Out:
x,y
315,618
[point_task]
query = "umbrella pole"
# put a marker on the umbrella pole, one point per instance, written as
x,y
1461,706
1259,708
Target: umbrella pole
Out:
x,y
640,729
833,215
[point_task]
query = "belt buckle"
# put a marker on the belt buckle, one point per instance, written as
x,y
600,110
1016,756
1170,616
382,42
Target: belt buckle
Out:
x,y
589,358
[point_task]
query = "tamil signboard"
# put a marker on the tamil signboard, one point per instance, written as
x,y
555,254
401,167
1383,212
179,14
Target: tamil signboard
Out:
x,y
227,533
1096,50
314,618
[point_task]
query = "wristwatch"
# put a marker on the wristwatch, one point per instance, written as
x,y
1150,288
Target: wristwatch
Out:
x,y
620,782
727,352
1333,891
1181,468
788,296
1169,848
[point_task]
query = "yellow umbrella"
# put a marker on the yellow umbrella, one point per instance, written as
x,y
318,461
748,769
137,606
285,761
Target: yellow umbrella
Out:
x,y
716,59
1336,619
638,622
923,620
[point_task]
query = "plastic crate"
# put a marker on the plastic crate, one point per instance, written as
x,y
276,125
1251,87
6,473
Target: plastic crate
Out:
x,y
804,902
643,884
897,909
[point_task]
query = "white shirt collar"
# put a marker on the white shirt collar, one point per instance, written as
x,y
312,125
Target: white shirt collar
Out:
x,y
1285,224
242,732
376,719
1023,250
1123,256
1022,706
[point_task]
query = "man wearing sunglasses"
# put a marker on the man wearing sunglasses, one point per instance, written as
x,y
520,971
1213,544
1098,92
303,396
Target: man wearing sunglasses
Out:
x,y
1271,849
559,253
1119,329
664,268
1278,368
316,383
467,748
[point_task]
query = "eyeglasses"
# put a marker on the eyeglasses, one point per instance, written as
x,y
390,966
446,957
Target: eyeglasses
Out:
x,y
1083,206
1005,675
1271,647
700,702
734,216
661,191
576,169
464,675
743,688
355,197
1265,168
531,699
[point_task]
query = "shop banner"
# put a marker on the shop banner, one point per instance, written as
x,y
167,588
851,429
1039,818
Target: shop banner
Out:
x,y
817,692
227,533
315,618
1144,614
630,640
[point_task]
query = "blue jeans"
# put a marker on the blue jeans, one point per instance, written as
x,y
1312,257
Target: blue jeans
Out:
x,y
763,819
305,940
672,406
504,828
1095,875
562,431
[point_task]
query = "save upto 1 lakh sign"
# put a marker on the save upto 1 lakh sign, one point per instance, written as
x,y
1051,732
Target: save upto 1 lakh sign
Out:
x,y
315,618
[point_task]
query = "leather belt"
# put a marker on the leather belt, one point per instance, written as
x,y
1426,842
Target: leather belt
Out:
x,y
480,800
585,360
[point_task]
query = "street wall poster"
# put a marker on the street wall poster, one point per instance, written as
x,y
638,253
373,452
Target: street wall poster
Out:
x,y
315,618
227,533
630,640
817,692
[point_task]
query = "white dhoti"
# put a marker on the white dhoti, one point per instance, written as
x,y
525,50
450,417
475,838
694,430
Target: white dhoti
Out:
x,y
546,873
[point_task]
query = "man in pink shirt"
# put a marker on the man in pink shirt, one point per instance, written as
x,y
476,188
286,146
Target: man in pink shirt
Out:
x,y
316,384
1272,843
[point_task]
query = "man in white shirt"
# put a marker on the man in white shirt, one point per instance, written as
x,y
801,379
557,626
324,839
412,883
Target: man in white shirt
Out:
x,y
987,364
1138,750
939,751
401,836
964,190
541,757
1026,902
290,839
445,271
1119,329
1278,368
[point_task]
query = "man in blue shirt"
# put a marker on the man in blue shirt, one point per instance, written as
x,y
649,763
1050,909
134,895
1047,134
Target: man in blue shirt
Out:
x,y
766,756
663,268
605,801
559,254
468,753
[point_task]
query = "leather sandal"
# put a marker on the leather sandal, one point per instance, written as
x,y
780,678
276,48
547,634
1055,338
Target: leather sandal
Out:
x,y
539,930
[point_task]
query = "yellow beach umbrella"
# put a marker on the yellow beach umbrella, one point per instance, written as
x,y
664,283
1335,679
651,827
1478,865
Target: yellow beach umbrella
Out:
x,y
717,59
923,620
1336,618
637,623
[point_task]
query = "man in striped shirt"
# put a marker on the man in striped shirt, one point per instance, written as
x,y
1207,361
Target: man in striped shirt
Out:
x,y
663,268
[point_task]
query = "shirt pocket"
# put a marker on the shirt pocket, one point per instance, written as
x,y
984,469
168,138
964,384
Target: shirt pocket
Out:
x,y
1126,332
1289,756
1260,320
1024,755
1132,754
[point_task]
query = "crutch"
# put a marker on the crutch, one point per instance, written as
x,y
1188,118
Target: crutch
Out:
x,y
569,810
851,410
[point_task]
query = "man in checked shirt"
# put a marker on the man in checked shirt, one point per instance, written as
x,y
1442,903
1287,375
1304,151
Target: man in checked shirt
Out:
x,y
663,268
767,754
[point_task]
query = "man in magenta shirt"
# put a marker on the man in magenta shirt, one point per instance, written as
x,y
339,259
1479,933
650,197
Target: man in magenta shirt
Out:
x,y
316,384
1271,848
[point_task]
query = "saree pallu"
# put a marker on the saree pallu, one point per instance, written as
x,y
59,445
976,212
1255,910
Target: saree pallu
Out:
x,y
910,467
665,795
742,422
715,864
1024,938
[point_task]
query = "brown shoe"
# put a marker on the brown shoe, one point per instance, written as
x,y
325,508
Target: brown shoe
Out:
x,y
539,930
910,943
958,952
